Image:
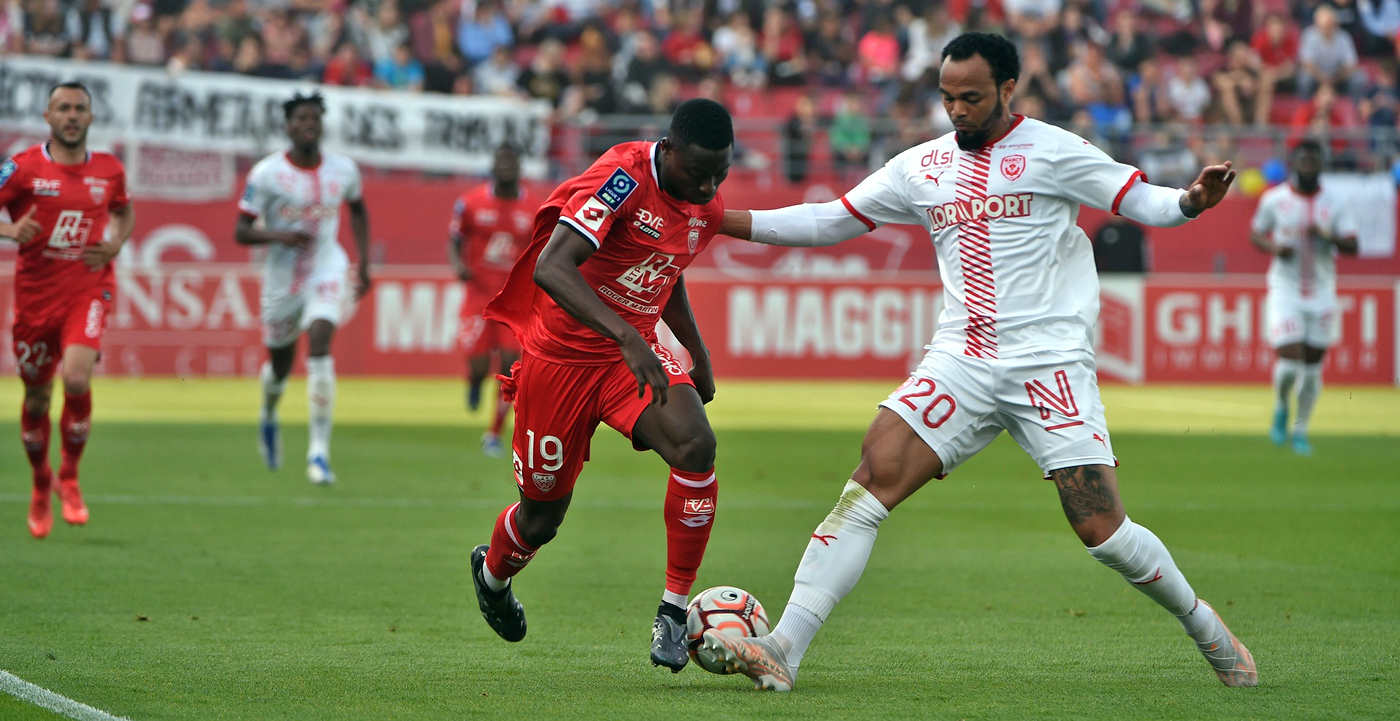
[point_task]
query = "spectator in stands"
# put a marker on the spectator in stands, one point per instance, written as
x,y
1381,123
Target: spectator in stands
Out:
x,y
665,95
234,25
545,78
249,58
282,35
1128,46
877,54
11,26
685,48
592,77
1093,84
145,44
347,67
1324,116
1151,101
737,52
401,71
783,50
1031,19
1381,19
379,34
91,30
498,75
44,33
1380,109
1037,80
1167,160
483,31
1187,91
1327,56
432,31
850,135
188,55
1244,96
1070,29
799,137
1276,44
642,70
1225,20
830,50
927,36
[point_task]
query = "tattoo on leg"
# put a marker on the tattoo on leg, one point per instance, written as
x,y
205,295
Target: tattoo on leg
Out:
x,y
1084,493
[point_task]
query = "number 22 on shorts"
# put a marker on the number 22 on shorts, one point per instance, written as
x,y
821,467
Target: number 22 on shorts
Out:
x,y
937,411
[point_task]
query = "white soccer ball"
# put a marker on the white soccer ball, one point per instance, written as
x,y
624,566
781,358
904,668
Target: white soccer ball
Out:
x,y
728,610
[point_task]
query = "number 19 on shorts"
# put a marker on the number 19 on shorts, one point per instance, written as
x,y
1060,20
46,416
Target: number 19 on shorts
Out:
x,y
550,449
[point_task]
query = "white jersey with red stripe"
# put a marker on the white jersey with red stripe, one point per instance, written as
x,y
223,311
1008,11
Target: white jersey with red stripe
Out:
x,y
289,197
1018,273
1286,215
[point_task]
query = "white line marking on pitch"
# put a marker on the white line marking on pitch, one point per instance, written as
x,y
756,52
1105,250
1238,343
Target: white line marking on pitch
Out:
x,y
44,698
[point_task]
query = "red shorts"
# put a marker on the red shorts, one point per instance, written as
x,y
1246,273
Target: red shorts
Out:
x,y
39,342
557,408
477,336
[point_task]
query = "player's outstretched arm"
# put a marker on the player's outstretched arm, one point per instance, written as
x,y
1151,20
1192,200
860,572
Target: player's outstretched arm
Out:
x,y
23,230
119,230
1163,207
359,227
807,225
1262,242
681,321
246,234
557,273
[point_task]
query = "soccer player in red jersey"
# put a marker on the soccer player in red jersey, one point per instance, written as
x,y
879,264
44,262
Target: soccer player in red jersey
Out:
x,y
73,217
605,264
491,226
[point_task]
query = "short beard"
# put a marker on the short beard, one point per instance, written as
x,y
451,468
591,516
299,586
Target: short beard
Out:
x,y
969,142
82,139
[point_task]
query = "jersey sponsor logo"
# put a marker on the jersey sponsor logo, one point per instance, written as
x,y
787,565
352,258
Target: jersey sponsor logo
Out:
x,y
615,192
649,223
937,158
697,223
934,178
699,505
593,213
992,207
645,280
486,216
70,231
46,187
6,171
824,538
1012,166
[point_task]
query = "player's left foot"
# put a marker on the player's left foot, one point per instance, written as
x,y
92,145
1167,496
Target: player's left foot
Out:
x,y
1233,663
761,659
1301,446
473,397
491,445
270,443
75,512
1278,432
318,471
41,513
668,643
501,609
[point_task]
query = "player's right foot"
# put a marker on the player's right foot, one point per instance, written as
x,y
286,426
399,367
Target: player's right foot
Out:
x,y
1278,432
41,513
473,397
75,512
502,611
761,659
1301,446
270,443
491,445
1233,663
318,471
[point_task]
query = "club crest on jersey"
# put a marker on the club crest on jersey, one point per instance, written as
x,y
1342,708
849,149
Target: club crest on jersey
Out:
x,y
593,213
543,481
1013,165
692,240
6,171
97,192
614,192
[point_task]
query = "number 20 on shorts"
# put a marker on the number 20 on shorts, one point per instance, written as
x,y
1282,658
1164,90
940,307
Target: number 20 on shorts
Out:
x,y
551,451
938,410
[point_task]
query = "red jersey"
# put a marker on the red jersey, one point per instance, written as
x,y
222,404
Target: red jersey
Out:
x,y
74,203
645,238
493,233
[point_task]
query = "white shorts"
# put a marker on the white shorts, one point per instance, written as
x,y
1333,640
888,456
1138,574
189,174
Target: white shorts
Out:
x,y
1048,402
1294,320
288,312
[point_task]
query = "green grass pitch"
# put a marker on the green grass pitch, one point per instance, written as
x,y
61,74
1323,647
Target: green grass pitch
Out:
x,y
206,587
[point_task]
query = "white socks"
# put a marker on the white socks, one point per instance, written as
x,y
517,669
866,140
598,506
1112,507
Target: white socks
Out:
x,y
272,391
1309,388
1140,556
834,560
320,397
1286,372
678,600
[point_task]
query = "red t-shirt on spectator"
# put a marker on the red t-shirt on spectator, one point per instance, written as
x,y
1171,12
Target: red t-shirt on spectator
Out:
x,y
1275,55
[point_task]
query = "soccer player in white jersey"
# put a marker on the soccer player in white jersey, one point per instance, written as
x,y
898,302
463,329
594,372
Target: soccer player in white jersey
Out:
x,y
1013,350
1302,226
297,194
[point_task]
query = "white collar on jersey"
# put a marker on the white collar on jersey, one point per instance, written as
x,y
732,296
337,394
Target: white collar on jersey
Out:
x,y
655,148
49,157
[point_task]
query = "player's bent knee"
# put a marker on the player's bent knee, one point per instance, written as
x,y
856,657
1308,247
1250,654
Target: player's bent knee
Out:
x,y
697,454
76,384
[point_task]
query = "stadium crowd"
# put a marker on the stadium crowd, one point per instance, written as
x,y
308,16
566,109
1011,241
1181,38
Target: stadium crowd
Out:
x,y
859,74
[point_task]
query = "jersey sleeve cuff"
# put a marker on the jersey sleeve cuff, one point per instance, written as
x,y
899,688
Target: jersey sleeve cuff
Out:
x,y
1118,199
859,216
582,231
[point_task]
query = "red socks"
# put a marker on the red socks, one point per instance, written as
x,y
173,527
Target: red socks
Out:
x,y
690,513
34,434
508,554
502,408
74,425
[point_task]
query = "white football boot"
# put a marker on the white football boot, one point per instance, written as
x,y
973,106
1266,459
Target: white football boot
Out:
x,y
761,659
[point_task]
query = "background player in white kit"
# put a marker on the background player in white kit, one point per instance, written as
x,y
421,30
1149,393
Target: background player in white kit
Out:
x,y
1013,350
1302,226
297,195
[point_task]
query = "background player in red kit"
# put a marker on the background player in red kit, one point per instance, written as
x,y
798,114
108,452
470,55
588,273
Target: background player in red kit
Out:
x,y
491,226
62,196
605,264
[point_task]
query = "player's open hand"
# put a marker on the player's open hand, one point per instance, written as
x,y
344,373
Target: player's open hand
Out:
x,y
363,282
703,376
1208,189
99,254
295,239
23,230
646,367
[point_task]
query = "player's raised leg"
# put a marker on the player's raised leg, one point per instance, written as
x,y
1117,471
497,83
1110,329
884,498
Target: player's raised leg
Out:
x,y
320,400
73,425
1089,496
273,380
895,462
35,427
1287,369
680,433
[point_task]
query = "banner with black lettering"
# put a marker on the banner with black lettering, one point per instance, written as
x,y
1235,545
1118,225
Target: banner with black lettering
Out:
x,y
232,113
